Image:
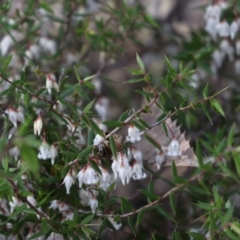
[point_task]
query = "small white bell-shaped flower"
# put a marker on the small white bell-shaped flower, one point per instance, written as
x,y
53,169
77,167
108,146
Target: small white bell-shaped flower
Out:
x,y
137,171
97,140
135,154
37,125
12,115
53,153
102,107
69,215
133,134
51,83
174,148
91,177
93,203
54,204
223,29
159,159
43,151
68,181
234,27
81,176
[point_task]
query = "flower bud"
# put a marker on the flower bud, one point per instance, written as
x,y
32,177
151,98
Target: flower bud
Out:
x,y
37,126
68,181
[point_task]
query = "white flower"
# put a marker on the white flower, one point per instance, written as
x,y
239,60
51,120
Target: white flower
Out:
x,y
218,57
14,152
48,45
102,107
62,207
133,134
43,151
238,47
15,203
211,27
54,204
81,176
159,159
227,48
5,44
223,4
93,203
237,66
37,125
135,154
51,83
223,29
32,201
234,27
97,84
137,171
116,225
53,153
174,148
98,138
12,115
69,215
91,176
68,181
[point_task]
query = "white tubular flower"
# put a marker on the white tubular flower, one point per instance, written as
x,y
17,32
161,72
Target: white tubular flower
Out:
x,y
54,204
133,134
223,29
68,215
62,207
238,47
159,159
135,154
102,107
68,181
32,201
53,153
227,48
211,27
15,203
116,225
12,115
93,203
51,83
20,115
237,66
91,176
14,152
137,171
43,151
234,27
218,57
37,125
124,169
5,44
98,138
81,176
174,148
48,45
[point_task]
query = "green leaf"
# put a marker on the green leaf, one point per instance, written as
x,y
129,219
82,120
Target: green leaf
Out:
x,y
235,226
36,235
153,142
236,159
90,137
89,106
113,147
77,74
174,173
229,214
205,91
130,223
29,157
231,136
87,219
67,91
85,152
112,124
206,112
151,196
89,78
134,80
215,104
140,216
173,203
123,117
196,236
125,205
165,213
140,62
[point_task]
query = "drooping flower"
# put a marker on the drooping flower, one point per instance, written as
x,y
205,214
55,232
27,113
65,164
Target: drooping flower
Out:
x,y
223,29
37,126
51,83
53,153
102,107
234,27
133,134
93,203
159,159
54,204
68,181
43,151
174,148
12,115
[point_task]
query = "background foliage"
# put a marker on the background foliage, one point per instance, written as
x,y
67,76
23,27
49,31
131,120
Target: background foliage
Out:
x,y
74,72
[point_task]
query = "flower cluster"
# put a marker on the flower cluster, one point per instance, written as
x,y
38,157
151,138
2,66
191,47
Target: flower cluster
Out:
x,y
15,115
47,152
